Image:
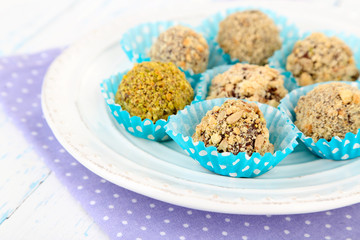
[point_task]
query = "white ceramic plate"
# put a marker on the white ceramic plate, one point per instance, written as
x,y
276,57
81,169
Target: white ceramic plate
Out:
x,y
76,112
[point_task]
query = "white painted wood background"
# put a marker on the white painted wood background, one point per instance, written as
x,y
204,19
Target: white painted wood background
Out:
x,y
33,203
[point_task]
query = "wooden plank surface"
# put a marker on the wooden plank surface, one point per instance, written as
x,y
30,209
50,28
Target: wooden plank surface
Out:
x,y
21,170
50,213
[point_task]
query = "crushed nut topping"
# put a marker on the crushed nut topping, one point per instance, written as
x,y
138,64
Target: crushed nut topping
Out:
x,y
154,90
249,36
255,83
329,110
319,58
236,126
182,46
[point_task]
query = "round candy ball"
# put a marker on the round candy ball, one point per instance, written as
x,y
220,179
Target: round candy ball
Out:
x,y
319,58
254,83
154,91
329,110
182,46
249,36
236,126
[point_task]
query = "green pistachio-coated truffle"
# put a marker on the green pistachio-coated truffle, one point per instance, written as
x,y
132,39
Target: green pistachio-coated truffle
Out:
x,y
154,90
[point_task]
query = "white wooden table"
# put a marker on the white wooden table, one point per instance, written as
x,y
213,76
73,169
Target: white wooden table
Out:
x,y
33,203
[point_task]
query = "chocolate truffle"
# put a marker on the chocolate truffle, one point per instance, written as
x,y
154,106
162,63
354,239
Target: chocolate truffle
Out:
x,y
182,46
249,36
255,83
236,126
329,110
154,90
319,58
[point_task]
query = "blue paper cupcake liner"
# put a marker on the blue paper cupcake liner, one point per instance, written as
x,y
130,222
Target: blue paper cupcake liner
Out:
x,y
134,125
206,78
336,148
278,60
137,41
210,28
182,126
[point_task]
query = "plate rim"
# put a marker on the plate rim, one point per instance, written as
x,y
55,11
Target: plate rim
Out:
x,y
174,197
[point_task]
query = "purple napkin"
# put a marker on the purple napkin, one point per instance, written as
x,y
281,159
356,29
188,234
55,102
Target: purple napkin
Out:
x,y
123,214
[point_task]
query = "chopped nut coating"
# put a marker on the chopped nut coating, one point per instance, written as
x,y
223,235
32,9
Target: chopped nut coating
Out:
x,y
329,110
236,126
249,36
154,90
255,83
182,46
319,58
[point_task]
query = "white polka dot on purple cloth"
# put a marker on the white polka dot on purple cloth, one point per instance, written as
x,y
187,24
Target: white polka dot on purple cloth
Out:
x,y
124,214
